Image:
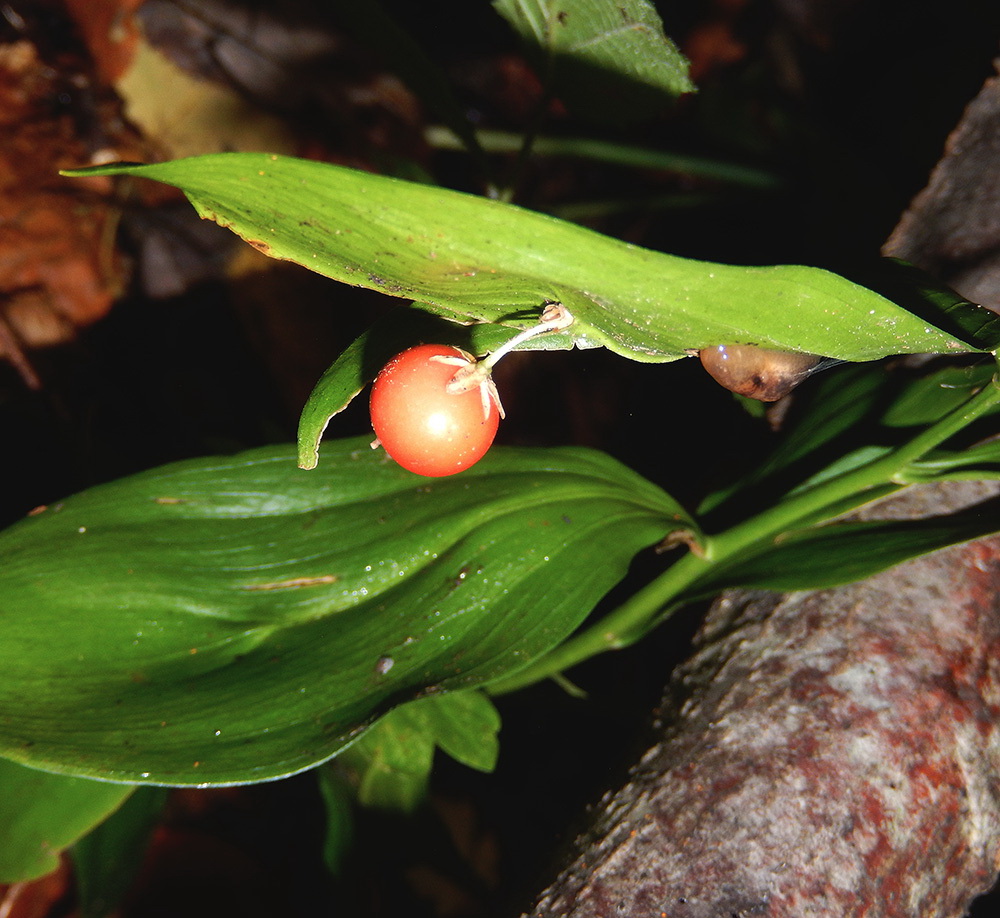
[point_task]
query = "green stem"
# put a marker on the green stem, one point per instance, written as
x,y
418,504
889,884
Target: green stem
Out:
x,y
508,192
494,141
538,117
679,583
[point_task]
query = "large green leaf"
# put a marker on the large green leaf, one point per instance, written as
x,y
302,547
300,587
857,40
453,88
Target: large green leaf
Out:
x,y
237,619
42,814
607,59
481,260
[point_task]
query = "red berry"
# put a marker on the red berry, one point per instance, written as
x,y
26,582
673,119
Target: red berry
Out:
x,y
423,427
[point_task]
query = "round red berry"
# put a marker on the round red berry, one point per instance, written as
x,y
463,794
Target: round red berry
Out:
x,y
421,425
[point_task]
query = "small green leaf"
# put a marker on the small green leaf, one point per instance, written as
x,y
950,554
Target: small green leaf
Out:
x,y
847,462
106,859
229,619
854,415
42,814
479,260
465,725
391,762
609,60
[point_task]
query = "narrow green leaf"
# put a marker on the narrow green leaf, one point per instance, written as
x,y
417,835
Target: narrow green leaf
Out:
x,y
847,462
609,60
391,763
106,859
42,814
931,396
979,462
487,261
841,553
232,619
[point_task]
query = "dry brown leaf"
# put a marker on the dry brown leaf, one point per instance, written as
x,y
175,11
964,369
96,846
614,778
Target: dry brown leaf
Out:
x,y
57,270
186,116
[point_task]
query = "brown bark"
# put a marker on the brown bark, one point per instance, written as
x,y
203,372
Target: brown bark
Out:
x,y
838,754
834,753
952,228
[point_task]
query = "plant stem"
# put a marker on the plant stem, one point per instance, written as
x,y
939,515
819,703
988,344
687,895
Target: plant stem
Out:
x,y
541,110
679,583
494,141
555,317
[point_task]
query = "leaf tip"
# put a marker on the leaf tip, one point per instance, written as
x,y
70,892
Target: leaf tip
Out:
x,y
100,169
308,459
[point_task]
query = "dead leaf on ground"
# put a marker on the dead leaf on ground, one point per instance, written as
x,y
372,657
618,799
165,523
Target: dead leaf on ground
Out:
x,y
57,266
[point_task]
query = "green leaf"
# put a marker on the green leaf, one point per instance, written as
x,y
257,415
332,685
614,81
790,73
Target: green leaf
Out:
x,y
840,553
229,619
482,260
391,763
932,395
394,764
42,814
852,416
607,59
926,297
977,463
106,859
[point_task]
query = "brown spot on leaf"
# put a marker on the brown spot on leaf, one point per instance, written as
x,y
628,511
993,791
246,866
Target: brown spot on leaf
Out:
x,y
263,247
294,583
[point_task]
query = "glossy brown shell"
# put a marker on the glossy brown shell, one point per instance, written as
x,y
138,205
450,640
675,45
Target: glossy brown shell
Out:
x,y
757,372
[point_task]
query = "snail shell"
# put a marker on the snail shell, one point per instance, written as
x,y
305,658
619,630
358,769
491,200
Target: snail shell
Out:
x,y
758,372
